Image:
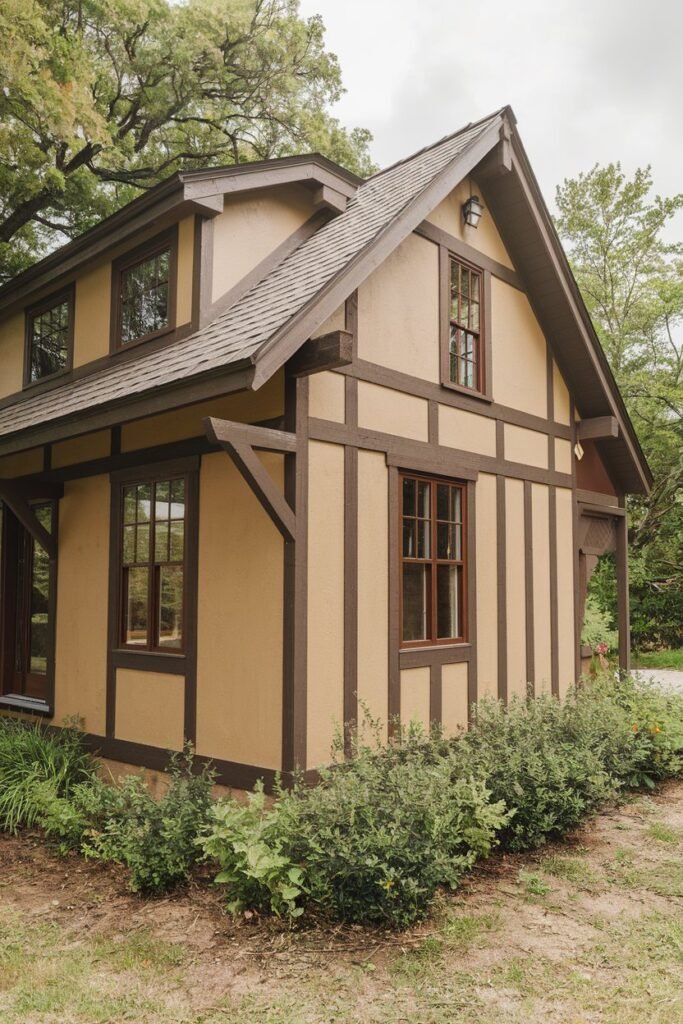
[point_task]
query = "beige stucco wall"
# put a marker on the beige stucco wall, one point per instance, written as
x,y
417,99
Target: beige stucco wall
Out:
x,y
487,585
373,592
467,431
82,603
398,311
529,447
415,696
243,407
563,455
150,708
337,322
519,361
540,540
454,698
561,404
516,610
327,396
392,412
11,355
485,237
325,686
81,449
239,637
565,588
92,313
250,227
22,464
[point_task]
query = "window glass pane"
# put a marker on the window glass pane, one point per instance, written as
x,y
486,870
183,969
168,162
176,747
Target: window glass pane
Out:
x,y
136,606
424,546
409,538
161,542
128,544
474,287
144,297
409,493
39,598
447,543
178,494
162,501
177,541
129,504
170,622
474,316
144,502
456,505
416,588
49,344
424,499
455,288
142,543
443,501
447,601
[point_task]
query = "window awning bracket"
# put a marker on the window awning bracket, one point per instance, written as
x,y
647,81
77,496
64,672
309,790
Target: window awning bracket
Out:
x,y
10,494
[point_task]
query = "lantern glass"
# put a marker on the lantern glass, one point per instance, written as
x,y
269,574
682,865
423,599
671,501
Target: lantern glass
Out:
x,y
472,211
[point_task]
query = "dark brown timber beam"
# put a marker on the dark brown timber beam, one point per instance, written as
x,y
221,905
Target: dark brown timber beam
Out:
x,y
265,439
11,495
597,428
324,353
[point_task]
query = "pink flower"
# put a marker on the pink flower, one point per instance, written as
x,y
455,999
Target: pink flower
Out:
x,y
601,648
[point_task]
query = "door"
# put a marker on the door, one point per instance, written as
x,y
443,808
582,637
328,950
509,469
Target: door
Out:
x,y
26,599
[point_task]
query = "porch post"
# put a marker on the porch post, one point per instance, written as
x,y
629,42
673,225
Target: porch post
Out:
x,y
622,594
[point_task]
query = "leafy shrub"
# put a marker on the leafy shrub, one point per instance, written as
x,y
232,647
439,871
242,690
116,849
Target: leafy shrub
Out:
x,y
371,843
654,717
598,627
528,759
155,839
35,762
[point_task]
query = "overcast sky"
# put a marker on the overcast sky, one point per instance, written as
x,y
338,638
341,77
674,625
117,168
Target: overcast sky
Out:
x,y
589,80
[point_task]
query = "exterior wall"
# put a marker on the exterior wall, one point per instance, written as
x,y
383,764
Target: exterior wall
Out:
x,y
251,227
325,691
12,355
92,312
485,238
519,351
239,642
149,708
515,543
415,696
373,593
565,589
21,464
391,412
486,528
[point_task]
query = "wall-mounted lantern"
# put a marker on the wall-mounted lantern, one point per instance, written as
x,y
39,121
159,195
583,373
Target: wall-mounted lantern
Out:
x,y
472,211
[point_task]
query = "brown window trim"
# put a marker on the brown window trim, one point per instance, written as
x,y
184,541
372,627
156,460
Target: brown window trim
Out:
x,y
433,641
30,313
13,702
155,659
167,240
483,390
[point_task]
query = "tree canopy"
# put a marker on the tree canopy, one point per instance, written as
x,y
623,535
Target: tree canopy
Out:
x,y
631,278
100,100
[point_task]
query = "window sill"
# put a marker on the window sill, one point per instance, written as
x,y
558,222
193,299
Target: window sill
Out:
x,y
29,705
50,378
470,392
435,654
150,661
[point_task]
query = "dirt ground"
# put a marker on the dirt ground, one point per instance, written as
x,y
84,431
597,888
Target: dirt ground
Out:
x,y
589,931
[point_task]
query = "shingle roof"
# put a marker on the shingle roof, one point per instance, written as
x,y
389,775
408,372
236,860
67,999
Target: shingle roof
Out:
x,y
240,334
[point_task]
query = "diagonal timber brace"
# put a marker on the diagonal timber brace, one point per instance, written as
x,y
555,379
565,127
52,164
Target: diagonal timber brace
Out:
x,y
241,441
11,495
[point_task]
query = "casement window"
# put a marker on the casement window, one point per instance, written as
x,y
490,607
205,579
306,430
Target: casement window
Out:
x,y
433,560
28,581
465,323
153,577
143,292
49,337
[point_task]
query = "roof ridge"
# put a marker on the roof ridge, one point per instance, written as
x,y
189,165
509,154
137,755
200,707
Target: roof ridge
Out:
x,y
439,142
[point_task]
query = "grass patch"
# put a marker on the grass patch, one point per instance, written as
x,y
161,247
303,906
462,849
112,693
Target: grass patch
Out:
x,y
577,872
463,931
663,833
533,883
670,658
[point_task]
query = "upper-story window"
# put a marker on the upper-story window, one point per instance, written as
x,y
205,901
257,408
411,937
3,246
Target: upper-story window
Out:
x,y
49,337
144,292
465,351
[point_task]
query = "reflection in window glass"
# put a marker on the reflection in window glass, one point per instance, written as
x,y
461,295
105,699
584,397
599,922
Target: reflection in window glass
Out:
x,y
144,298
49,332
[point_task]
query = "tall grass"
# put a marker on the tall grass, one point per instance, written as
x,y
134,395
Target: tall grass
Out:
x,y
36,764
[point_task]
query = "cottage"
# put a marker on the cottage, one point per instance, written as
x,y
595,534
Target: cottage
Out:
x,y
276,441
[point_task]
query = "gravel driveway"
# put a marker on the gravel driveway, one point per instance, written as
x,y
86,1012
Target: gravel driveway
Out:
x,y
669,677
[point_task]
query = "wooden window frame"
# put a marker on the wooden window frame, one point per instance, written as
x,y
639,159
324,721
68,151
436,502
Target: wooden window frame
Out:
x,y
166,241
30,705
133,655
30,313
483,389
434,561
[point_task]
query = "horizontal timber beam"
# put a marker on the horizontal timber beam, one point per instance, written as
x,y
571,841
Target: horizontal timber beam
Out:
x,y
328,352
598,428
263,438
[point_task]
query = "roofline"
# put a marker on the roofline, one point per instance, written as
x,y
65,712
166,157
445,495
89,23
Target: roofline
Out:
x,y
160,205
612,389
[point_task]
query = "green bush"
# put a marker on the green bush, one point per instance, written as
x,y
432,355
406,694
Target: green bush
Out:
x,y
155,839
528,760
371,843
35,764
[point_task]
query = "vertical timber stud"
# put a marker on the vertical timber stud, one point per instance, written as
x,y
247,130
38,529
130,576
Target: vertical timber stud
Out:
x,y
295,608
501,551
351,540
435,693
623,614
554,621
529,590
473,662
394,591
578,624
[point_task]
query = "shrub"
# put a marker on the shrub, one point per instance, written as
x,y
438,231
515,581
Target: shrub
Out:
x,y
371,843
155,839
35,765
527,759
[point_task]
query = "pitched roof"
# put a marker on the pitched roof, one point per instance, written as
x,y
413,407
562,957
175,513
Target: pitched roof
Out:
x,y
238,336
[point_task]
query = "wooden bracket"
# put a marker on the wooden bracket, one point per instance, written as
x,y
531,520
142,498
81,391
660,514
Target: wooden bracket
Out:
x,y
240,441
499,160
324,353
10,494
597,429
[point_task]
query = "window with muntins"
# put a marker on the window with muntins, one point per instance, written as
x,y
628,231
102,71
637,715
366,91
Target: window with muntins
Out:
x,y
433,561
144,298
465,326
153,546
49,334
